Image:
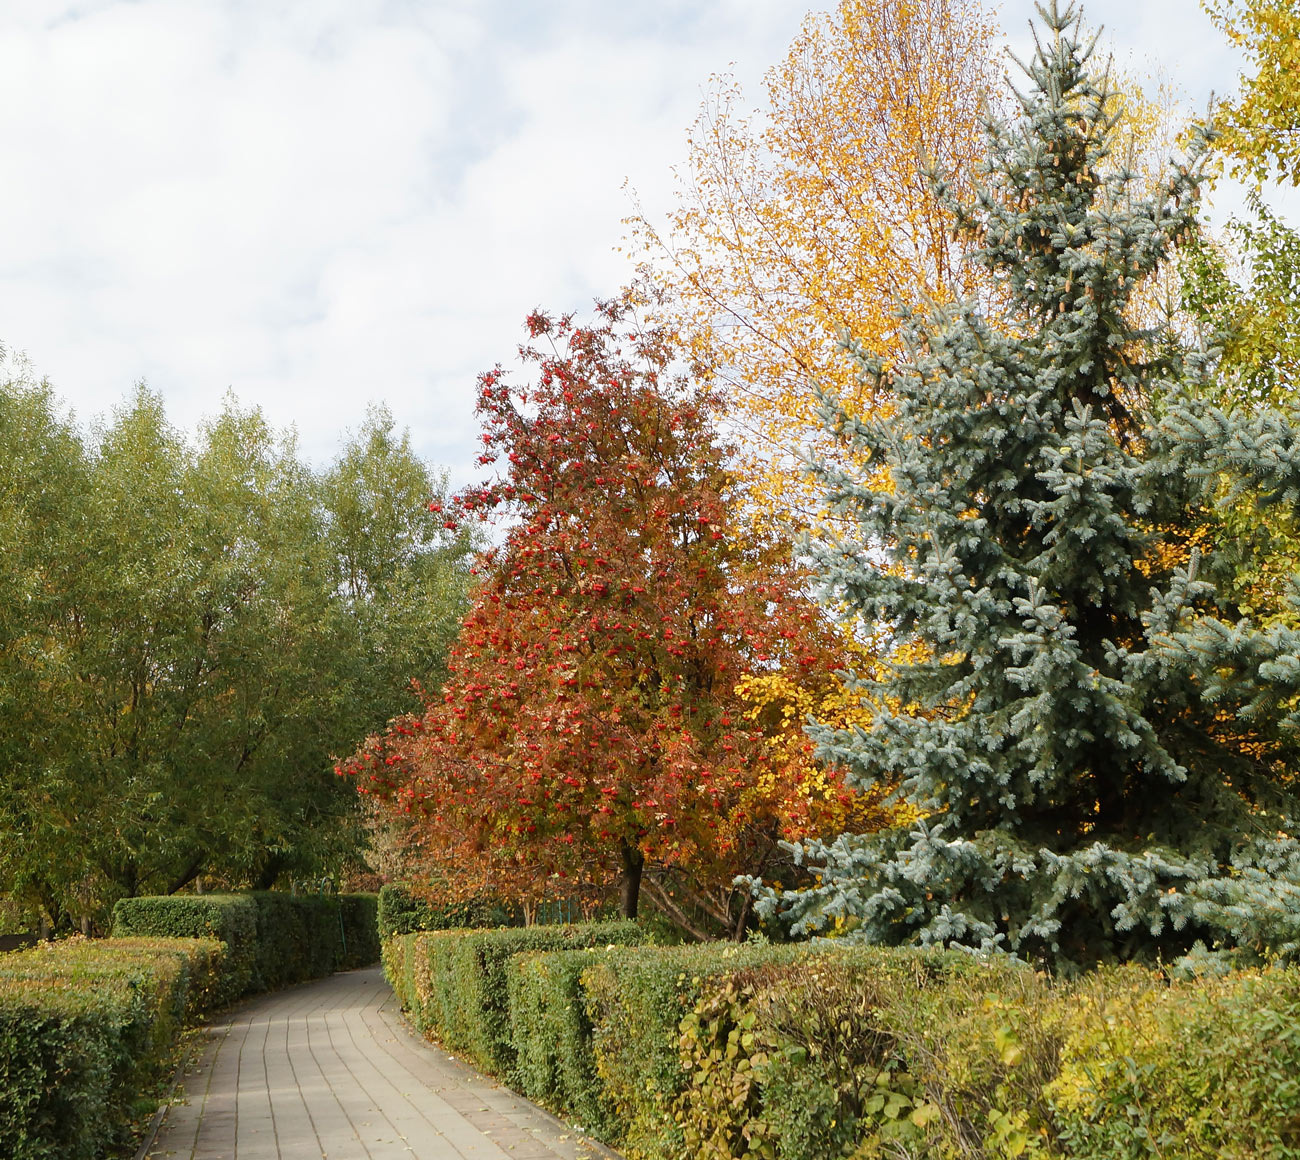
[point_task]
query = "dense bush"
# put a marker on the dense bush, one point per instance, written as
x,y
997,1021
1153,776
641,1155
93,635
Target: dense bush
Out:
x,y
902,1053
1204,1069
308,936
894,1052
807,1053
273,939
636,1001
360,929
554,1062
84,1026
229,918
453,982
402,912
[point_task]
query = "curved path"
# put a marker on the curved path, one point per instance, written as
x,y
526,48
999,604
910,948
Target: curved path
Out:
x,y
330,1071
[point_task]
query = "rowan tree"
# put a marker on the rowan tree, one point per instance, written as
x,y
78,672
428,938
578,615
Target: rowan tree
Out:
x,y
592,725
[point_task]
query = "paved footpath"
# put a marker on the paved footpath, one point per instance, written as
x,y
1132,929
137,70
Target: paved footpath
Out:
x,y
330,1071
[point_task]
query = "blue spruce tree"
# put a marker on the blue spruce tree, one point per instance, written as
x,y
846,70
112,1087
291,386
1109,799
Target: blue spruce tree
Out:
x,y
1101,747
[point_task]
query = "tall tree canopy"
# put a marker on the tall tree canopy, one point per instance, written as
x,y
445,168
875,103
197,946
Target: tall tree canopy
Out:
x,y
593,726
1241,283
811,218
187,632
1100,742
1261,122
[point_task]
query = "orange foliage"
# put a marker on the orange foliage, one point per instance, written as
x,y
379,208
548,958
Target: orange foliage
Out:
x,y
591,727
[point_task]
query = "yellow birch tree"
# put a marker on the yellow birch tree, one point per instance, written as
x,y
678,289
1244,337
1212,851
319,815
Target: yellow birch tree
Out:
x,y
815,218
1261,122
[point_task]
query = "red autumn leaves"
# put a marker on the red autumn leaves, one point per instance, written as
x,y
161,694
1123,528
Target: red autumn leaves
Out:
x,y
591,715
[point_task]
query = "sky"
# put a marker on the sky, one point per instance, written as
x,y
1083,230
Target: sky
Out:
x,y
323,204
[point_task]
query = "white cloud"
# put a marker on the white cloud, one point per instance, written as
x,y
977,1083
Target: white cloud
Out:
x,y
320,205
323,204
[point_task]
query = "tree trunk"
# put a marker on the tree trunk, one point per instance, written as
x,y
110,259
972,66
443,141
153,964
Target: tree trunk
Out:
x,y
630,887
738,933
660,896
185,877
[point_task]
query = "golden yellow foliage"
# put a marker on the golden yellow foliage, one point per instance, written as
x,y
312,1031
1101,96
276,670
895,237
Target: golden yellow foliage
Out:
x,y
815,218
816,800
1261,124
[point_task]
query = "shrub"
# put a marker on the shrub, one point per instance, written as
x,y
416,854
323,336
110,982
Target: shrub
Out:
x,y
982,1044
454,982
83,1027
790,1059
401,912
868,1052
554,1062
636,1000
298,938
360,915
273,939
801,1052
229,918
1206,1069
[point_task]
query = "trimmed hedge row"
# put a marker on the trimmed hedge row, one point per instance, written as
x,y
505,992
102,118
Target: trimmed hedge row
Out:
x,y
807,1053
452,983
273,939
401,912
84,1027
596,1031
626,1047
863,1051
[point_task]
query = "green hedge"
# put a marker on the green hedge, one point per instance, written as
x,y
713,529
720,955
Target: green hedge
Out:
x,y
453,982
860,1051
874,1053
273,939
84,1026
360,914
806,1053
229,918
636,1002
310,936
402,912
554,1062
1204,1069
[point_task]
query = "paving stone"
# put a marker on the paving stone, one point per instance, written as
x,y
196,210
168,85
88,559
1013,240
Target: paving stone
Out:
x,y
330,1071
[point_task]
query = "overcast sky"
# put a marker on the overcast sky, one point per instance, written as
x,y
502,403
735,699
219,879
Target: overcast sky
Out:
x,y
320,203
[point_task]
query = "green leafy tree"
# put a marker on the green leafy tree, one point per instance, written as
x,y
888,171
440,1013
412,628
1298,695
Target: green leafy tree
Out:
x,y
192,629
1243,293
1250,312
1088,726
401,575
43,489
